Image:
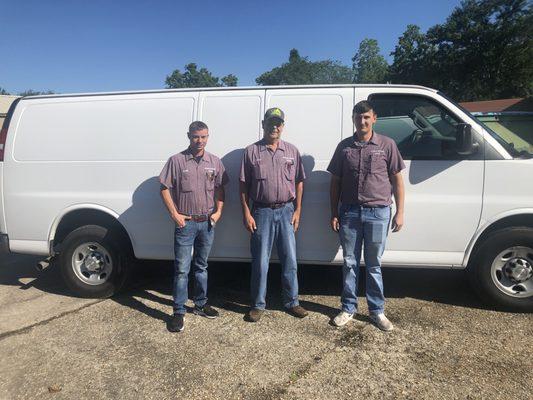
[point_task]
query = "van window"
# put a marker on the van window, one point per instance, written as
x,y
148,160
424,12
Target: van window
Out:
x,y
421,128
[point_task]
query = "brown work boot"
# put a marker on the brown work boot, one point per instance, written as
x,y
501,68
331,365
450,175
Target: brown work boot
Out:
x,y
298,312
253,315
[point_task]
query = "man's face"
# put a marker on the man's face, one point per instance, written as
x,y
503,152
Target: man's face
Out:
x,y
198,140
364,122
273,127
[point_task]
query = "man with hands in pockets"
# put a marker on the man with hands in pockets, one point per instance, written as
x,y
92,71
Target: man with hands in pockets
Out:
x,y
192,189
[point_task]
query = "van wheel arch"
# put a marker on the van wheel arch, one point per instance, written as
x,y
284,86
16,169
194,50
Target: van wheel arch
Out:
x,y
93,235
502,250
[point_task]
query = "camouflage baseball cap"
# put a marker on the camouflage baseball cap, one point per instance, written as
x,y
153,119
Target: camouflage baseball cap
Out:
x,y
274,113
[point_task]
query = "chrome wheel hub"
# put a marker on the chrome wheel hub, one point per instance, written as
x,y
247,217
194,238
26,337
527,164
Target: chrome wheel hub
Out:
x,y
92,263
512,271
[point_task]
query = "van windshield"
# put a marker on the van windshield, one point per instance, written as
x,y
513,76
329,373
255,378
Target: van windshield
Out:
x,y
518,146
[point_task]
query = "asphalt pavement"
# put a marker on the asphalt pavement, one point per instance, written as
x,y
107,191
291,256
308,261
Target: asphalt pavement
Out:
x,y
446,343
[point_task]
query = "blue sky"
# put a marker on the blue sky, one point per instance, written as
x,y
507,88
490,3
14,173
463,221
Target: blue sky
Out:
x,y
96,45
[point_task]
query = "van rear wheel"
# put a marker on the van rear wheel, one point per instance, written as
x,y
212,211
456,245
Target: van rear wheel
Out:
x,y
91,262
501,270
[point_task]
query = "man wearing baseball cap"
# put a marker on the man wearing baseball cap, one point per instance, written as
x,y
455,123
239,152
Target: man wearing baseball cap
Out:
x,y
272,176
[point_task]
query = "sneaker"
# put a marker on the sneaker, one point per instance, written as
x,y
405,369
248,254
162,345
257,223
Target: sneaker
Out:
x,y
342,318
382,322
298,312
205,311
253,315
176,323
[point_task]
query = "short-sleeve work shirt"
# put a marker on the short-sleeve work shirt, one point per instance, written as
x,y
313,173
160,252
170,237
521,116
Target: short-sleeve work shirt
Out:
x,y
271,176
192,181
365,170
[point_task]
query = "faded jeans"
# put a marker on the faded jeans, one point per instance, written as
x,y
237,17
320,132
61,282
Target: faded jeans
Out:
x,y
192,244
273,225
363,228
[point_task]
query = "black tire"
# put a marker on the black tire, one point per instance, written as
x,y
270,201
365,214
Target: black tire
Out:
x,y
103,247
480,267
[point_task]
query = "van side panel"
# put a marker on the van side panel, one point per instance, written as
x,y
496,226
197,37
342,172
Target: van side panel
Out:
x,y
103,150
316,121
3,228
234,121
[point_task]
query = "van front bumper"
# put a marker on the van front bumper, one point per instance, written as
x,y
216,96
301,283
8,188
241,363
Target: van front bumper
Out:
x,y
4,243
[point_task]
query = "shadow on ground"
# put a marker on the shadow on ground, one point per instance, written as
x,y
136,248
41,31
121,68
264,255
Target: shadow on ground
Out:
x,y
229,285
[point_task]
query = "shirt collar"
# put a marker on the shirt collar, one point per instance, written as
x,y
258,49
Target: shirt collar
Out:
x,y
189,156
375,139
262,145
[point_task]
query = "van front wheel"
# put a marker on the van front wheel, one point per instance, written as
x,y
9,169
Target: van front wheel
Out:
x,y
91,263
502,268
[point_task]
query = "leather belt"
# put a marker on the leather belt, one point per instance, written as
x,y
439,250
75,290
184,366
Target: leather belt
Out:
x,y
199,218
270,205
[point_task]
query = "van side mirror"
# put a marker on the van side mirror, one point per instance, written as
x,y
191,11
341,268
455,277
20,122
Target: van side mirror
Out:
x,y
464,144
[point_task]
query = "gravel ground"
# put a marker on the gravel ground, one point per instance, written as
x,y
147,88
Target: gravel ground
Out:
x,y
446,344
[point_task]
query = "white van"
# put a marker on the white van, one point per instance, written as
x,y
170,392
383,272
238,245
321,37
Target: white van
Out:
x,y
78,179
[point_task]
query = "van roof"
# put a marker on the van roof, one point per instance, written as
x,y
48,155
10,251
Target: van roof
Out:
x,y
225,88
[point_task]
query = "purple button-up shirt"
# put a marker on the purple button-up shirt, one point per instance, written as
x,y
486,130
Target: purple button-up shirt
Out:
x,y
192,182
365,170
271,176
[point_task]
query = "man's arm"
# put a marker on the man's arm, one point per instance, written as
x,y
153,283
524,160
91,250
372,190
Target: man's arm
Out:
x,y
220,195
334,196
295,220
169,203
399,197
247,219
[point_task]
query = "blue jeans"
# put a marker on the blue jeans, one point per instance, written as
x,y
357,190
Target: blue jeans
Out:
x,y
193,241
274,225
368,227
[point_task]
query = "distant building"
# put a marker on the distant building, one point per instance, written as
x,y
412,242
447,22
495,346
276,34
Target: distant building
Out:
x,y
5,102
500,105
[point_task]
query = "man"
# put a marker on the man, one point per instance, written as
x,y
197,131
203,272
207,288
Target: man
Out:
x,y
365,170
192,188
272,175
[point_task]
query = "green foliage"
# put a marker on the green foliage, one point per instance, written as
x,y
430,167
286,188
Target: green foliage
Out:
x,y
31,92
412,61
482,51
194,78
369,66
229,80
3,92
300,71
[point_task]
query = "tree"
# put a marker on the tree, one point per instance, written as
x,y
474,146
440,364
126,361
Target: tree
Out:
x,y
31,92
369,66
3,92
229,80
484,50
300,71
413,56
192,78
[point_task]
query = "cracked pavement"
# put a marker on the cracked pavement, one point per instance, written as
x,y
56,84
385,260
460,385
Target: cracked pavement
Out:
x,y
446,343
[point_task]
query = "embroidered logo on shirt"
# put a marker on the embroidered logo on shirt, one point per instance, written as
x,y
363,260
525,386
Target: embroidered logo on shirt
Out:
x,y
210,173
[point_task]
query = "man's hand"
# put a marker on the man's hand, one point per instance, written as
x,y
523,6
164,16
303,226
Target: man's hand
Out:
x,y
335,225
215,217
180,220
397,222
295,220
249,222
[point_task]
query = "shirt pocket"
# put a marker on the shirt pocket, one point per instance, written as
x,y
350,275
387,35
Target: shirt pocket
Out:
x,y
289,169
259,170
210,176
185,181
378,163
352,161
